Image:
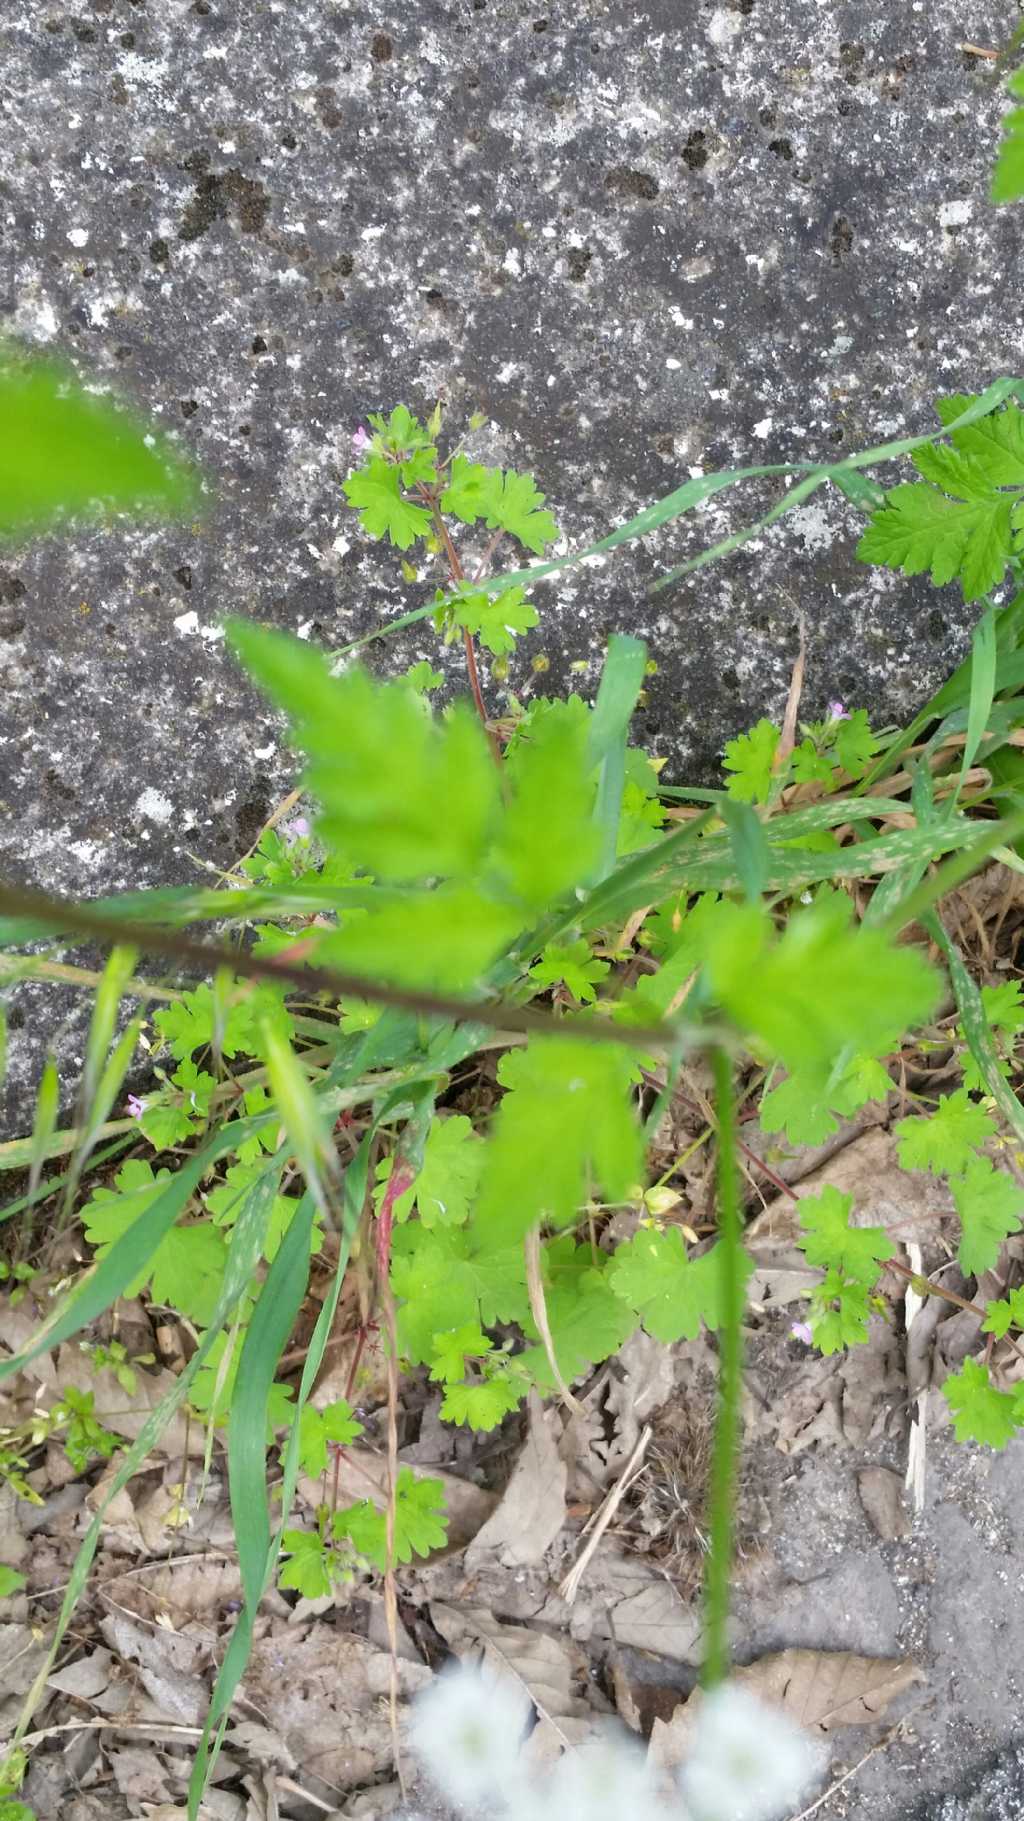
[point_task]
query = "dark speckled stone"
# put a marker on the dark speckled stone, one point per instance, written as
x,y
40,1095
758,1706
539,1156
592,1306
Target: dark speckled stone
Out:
x,y
644,238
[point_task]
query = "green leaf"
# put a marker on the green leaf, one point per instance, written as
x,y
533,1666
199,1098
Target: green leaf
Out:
x,y
670,1292
401,433
573,965
450,1350
506,501
797,1107
468,487
66,454
166,1124
1008,175
1004,1005
990,1205
482,1405
187,1267
448,1278
809,766
588,1323
948,1139
226,1201
980,1412
213,1389
822,988
854,743
829,1240
839,1309
401,794
805,1108
10,1581
498,620
448,1177
1008,1313
548,842
308,1567
420,1523
565,1125
335,1423
750,757
190,1024
920,530
677,926
424,677
376,493
446,939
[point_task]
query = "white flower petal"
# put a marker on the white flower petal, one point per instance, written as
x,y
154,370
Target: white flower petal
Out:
x,y
748,1762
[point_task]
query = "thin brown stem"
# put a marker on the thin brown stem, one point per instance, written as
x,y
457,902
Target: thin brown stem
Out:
x,y
474,679
948,1296
67,919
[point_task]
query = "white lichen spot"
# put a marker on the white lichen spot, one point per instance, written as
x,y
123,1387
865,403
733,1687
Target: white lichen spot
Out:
x,y
955,214
187,622
79,237
154,806
724,25
812,525
764,429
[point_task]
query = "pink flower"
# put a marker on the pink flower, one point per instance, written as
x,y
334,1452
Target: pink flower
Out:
x,y
836,712
136,1107
361,439
801,1330
296,830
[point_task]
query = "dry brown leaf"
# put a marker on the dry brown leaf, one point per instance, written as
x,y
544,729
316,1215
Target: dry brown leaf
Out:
x,y
647,1381
531,1511
656,1619
544,1667
818,1690
85,1678
910,1205
166,1665
825,1689
881,1494
313,1685
127,1412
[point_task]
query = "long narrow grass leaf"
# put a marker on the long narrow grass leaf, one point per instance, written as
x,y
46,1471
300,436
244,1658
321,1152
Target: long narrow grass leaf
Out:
x,y
44,1123
621,681
976,1027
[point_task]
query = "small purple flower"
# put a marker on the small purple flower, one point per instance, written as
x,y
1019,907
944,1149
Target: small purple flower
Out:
x,y
801,1330
837,712
296,830
361,439
136,1106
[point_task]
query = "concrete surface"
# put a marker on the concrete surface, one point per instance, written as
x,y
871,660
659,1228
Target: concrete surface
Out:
x,y
641,237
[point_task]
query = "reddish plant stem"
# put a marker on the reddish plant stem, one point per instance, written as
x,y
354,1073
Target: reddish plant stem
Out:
x,y
458,574
474,677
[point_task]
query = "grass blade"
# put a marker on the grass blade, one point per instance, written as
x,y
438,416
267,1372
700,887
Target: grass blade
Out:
x,y
237,1654
107,1089
118,971
976,1027
982,693
621,681
749,845
44,1123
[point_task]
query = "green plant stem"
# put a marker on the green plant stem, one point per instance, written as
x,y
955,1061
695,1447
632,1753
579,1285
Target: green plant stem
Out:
x,y
724,1460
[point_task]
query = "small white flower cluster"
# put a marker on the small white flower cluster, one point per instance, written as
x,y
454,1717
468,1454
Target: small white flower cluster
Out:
x,y
747,1763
